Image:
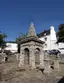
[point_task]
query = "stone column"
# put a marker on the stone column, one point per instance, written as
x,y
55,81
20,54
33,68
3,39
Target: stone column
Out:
x,y
4,57
42,58
21,63
47,68
56,64
32,57
17,56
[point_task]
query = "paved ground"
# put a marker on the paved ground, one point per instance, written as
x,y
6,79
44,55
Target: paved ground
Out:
x,y
10,73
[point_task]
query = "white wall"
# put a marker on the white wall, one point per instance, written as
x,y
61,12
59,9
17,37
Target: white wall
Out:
x,y
51,40
0,48
61,47
12,47
47,42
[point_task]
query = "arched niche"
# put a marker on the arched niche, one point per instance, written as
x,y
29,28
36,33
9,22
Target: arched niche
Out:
x,y
26,56
37,56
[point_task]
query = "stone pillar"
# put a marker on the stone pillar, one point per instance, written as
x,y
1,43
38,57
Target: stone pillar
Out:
x,y
32,57
21,63
5,58
47,68
17,56
56,64
42,58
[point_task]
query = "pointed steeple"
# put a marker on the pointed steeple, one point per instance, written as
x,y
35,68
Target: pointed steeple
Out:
x,y
32,31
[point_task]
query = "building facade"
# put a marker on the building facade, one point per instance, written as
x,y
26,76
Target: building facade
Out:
x,y
12,46
49,37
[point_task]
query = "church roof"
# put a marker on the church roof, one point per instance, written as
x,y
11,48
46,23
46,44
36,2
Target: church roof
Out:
x,y
45,32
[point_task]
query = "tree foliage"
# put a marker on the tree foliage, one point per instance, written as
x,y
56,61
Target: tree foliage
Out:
x,y
19,38
2,39
61,33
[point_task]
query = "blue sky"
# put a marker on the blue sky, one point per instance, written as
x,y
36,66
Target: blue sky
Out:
x,y
16,16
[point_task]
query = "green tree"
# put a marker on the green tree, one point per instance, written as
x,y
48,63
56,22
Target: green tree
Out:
x,y
19,38
61,33
2,39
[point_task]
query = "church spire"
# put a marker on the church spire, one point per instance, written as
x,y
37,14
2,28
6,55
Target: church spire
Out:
x,y
32,31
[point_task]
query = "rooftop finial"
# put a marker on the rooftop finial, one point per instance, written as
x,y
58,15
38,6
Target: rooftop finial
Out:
x,y
32,31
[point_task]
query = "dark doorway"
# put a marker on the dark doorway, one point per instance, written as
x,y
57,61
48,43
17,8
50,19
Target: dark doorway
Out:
x,y
26,57
18,48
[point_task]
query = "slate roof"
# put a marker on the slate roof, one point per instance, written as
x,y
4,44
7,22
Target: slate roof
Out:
x,y
45,32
